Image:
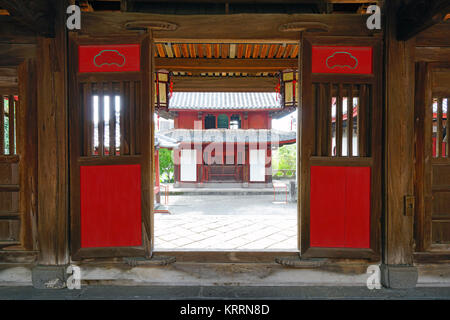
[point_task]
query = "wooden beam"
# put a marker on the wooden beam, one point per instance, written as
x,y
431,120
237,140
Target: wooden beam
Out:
x,y
8,77
417,15
13,32
36,15
225,65
15,54
435,36
233,27
228,84
431,54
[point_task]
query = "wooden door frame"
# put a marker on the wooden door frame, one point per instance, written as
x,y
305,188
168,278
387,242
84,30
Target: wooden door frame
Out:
x,y
423,101
308,144
147,139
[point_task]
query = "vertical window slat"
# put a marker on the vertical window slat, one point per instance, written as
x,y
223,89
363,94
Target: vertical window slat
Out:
x,y
339,121
101,120
350,121
2,126
112,121
123,106
11,110
362,121
88,121
132,108
439,131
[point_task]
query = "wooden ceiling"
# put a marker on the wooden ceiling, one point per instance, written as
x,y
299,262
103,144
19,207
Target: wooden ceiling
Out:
x,y
225,59
227,50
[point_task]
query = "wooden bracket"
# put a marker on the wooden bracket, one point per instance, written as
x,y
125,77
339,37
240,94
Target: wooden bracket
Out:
x,y
151,25
304,26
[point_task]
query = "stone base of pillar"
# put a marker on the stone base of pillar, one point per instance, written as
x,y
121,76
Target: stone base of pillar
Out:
x,y
49,277
399,276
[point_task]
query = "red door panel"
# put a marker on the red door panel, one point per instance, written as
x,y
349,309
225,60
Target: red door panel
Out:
x,y
110,206
357,232
327,208
340,207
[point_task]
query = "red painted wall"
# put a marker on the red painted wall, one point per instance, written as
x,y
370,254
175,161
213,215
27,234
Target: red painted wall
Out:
x,y
340,207
255,120
110,206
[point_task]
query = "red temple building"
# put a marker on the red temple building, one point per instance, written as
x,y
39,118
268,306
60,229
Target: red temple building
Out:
x,y
225,136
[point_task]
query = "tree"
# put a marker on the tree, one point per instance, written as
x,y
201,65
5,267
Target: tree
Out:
x,y
166,165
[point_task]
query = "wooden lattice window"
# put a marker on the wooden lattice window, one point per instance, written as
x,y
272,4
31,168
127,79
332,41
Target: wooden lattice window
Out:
x,y
342,119
110,119
8,121
440,128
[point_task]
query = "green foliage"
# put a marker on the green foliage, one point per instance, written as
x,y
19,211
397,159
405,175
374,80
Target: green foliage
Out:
x,y
285,158
166,165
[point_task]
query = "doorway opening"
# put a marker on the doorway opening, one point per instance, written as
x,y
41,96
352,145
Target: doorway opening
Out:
x,y
226,153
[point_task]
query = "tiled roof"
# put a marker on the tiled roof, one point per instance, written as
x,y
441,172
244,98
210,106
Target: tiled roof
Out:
x,y
224,101
230,135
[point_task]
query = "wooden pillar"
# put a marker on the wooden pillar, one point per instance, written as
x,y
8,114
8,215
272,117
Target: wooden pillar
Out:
x,y
52,146
28,150
399,155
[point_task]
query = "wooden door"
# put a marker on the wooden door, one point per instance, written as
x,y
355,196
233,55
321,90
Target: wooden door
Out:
x,y
432,181
257,165
340,152
111,147
188,165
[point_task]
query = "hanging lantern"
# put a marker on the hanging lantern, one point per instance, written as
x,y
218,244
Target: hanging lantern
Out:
x,y
162,89
289,88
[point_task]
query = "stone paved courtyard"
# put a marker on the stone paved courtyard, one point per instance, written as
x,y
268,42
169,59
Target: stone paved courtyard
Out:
x,y
227,222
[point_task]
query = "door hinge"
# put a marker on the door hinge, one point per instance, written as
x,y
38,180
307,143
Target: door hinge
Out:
x,y
409,206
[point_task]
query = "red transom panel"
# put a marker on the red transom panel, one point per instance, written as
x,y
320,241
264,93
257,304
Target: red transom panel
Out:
x,y
340,207
109,58
110,206
346,60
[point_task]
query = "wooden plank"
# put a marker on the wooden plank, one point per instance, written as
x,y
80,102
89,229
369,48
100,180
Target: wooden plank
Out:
x,y
9,187
225,65
232,27
216,50
176,50
200,50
